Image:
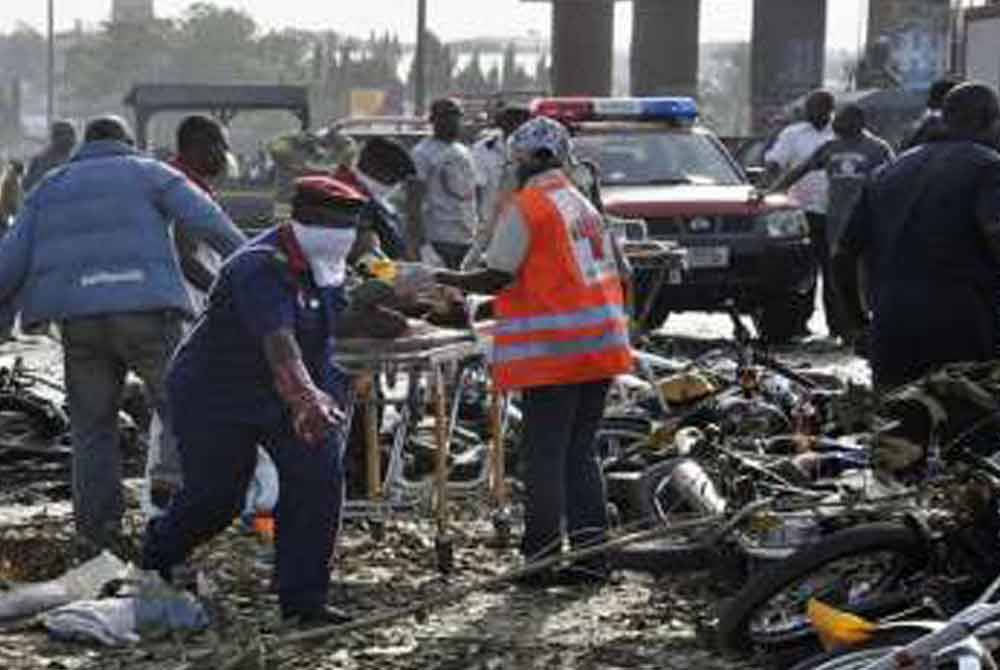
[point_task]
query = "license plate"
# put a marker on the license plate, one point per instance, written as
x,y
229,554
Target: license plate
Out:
x,y
708,257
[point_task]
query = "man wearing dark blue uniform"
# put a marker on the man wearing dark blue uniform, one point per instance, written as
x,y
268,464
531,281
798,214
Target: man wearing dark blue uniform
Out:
x,y
928,229
257,368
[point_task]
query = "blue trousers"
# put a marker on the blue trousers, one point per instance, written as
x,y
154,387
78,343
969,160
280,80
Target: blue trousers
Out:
x,y
564,485
217,460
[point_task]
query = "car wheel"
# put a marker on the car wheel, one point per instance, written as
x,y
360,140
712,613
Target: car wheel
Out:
x,y
786,317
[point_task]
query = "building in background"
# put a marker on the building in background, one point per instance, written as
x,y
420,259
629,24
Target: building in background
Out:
x,y
981,56
132,11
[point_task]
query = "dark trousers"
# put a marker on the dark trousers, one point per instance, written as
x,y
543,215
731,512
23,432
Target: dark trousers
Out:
x,y
97,354
218,459
832,307
562,474
451,253
921,325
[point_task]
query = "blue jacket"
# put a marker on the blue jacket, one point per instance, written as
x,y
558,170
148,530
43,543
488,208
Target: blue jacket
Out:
x,y
95,238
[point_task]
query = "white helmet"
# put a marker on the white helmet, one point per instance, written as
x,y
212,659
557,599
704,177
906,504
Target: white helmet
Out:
x,y
541,133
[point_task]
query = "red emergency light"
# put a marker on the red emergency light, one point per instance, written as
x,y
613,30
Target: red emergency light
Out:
x,y
578,110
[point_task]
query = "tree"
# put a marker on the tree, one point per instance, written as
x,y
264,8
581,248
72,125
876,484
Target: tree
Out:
x,y
515,78
22,53
725,88
439,67
493,79
470,80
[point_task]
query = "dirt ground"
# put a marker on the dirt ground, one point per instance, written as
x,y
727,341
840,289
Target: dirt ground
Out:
x,y
640,623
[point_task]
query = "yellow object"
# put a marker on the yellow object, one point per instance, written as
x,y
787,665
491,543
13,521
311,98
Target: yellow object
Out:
x,y
838,629
367,101
686,387
381,268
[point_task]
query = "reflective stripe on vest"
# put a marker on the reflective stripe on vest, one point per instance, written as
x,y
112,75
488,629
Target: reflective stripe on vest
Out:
x,y
562,321
579,319
592,345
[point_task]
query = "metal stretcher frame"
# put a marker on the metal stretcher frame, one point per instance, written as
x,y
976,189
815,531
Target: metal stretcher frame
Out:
x,y
372,358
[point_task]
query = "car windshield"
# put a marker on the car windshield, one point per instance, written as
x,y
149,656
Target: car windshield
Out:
x,y
656,158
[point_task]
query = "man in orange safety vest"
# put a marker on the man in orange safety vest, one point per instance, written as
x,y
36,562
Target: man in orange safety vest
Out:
x,y
561,337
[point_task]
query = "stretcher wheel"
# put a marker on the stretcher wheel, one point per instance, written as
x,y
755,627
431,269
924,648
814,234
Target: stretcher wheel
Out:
x,y
502,529
614,516
445,548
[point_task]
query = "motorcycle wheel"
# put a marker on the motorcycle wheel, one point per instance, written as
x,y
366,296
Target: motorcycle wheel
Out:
x,y
864,569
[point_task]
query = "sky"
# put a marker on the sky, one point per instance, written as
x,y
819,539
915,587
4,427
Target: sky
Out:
x,y
452,19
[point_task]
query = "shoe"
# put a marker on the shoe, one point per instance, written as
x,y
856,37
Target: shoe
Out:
x,y
575,575
324,616
541,579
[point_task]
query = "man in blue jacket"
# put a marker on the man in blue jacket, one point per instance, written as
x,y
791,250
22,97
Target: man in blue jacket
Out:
x,y
928,229
258,369
92,249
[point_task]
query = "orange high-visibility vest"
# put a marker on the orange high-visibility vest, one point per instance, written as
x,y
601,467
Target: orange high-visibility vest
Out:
x,y
563,320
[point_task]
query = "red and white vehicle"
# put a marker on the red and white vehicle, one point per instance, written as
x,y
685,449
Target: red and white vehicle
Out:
x,y
658,164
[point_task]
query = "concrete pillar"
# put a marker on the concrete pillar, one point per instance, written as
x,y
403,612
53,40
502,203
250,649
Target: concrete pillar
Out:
x,y
664,55
911,38
582,42
787,54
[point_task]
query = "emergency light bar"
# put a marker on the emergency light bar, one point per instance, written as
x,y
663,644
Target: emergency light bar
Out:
x,y
575,110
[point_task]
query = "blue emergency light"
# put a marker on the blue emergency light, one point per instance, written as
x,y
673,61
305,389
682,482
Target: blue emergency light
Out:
x,y
575,110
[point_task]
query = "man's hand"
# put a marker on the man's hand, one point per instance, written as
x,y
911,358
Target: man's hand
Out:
x,y
314,415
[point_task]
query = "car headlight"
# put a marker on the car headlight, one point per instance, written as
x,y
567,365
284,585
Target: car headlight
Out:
x,y
785,223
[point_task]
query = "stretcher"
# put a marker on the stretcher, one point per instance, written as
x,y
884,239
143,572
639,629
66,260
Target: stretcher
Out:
x,y
441,362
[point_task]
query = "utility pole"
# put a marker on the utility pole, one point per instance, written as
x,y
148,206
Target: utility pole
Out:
x,y
50,99
420,74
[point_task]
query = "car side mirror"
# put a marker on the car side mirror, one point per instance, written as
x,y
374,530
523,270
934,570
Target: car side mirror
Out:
x,y
757,175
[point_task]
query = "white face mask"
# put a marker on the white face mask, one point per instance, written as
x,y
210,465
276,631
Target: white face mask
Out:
x,y
326,251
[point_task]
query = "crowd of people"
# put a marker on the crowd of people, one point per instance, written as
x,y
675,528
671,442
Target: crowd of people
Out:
x,y
142,271
906,245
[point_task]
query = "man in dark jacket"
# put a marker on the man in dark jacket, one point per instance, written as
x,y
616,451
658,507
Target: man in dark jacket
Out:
x,y
202,156
258,368
92,250
62,141
928,229
931,125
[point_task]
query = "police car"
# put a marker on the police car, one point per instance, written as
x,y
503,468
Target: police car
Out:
x,y
658,164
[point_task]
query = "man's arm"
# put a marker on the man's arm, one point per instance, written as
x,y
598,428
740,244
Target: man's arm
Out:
x,y
202,218
416,190
815,162
195,271
486,282
508,249
15,254
777,158
988,210
266,307
314,413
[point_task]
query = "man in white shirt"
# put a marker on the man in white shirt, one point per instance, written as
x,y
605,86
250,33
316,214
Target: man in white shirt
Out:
x,y
496,178
795,145
441,199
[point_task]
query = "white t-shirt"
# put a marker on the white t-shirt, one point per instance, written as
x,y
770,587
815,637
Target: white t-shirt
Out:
x,y
490,157
449,177
795,145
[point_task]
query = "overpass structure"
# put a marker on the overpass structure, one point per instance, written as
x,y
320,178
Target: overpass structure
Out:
x,y
788,43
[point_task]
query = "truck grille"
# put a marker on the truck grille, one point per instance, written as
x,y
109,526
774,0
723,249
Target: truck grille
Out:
x,y
675,226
